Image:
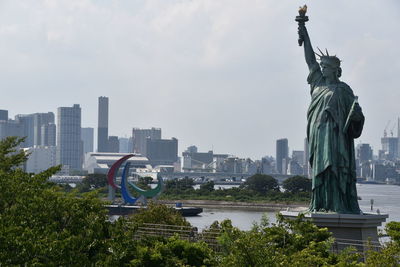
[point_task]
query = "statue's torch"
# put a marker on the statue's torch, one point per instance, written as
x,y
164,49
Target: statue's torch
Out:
x,y
301,19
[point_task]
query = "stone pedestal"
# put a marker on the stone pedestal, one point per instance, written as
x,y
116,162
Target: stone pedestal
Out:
x,y
347,229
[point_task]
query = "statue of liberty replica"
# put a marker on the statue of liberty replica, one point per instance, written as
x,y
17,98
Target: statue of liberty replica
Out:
x,y
334,119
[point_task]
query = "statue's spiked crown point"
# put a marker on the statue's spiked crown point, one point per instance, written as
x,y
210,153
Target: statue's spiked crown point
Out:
x,y
332,59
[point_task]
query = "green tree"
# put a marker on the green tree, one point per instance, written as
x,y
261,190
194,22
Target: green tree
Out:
x,y
159,214
39,225
297,184
207,186
10,156
287,243
179,184
261,183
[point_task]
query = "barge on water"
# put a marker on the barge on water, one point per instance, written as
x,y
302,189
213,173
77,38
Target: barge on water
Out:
x,y
122,210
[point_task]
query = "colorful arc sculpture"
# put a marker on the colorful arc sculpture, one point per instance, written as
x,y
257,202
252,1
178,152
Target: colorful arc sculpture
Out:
x,y
128,198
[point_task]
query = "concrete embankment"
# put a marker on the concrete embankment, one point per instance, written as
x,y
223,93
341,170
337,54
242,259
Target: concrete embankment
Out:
x,y
259,206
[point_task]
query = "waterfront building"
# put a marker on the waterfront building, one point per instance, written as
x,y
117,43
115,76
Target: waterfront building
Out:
x,y
193,160
102,130
140,136
162,151
96,162
69,143
282,155
40,158
87,137
364,152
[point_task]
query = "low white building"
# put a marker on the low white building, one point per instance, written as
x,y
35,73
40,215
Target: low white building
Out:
x,y
100,162
40,158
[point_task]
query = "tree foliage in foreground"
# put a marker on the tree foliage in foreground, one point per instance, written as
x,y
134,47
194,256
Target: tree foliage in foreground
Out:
x,y
42,226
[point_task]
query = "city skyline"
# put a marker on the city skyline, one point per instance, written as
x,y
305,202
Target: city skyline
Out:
x,y
214,74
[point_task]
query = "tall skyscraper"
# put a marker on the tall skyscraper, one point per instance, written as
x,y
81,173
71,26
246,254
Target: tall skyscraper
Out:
x,y
87,139
102,130
139,137
282,155
69,144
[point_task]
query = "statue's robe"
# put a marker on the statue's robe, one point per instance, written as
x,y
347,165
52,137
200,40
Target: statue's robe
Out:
x,y
331,131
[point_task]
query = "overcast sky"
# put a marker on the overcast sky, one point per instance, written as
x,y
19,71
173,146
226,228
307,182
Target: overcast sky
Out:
x,y
220,74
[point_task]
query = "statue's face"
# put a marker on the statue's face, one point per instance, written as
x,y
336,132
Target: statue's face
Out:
x,y
328,69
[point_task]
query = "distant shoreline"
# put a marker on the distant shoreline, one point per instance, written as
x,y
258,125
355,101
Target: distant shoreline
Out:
x,y
254,206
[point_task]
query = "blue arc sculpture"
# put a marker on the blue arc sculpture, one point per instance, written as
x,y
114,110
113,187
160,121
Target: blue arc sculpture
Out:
x,y
126,195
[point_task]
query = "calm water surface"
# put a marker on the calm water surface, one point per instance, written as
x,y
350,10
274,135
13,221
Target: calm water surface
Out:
x,y
386,199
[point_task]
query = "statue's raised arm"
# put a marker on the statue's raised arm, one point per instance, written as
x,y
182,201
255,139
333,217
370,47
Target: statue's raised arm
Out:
x,y
304,38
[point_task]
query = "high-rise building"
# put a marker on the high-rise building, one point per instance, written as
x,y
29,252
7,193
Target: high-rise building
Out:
x,y
40,119
140,136
87,139
162,151
3,115
102,130
282,155
113,144
298,156
125,145
33,125
27,123
10,128
69,144
363,153
390,146
48,135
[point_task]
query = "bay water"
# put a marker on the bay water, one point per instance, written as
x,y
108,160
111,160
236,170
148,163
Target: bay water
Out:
x,y
386,200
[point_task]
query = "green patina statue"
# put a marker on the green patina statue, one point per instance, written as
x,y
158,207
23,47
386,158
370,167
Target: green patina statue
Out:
x,y
335,119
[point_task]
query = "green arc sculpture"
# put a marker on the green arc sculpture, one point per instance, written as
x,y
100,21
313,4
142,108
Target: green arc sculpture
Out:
x,y
335,119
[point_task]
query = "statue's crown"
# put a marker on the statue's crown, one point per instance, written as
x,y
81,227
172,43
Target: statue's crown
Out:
x,y
333,60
